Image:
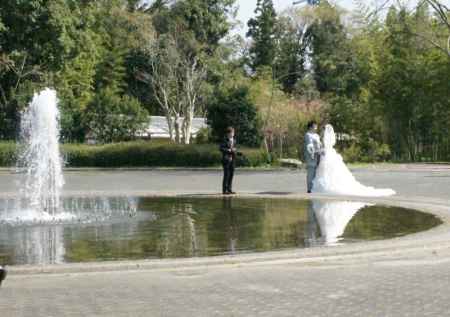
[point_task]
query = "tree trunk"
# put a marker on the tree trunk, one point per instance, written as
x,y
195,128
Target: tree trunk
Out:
x,y
170,126
266,144
177,128
187,127
193,81
281,146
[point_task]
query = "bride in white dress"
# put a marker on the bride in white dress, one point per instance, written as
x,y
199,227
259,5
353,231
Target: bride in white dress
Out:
x,y
334,177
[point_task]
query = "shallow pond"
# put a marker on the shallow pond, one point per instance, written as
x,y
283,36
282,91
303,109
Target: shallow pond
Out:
x,y
189,227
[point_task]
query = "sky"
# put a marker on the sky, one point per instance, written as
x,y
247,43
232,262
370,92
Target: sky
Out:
x,y
247,8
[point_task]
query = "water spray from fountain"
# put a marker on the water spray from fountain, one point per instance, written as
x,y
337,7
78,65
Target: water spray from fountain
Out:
x,y
41,155
41,188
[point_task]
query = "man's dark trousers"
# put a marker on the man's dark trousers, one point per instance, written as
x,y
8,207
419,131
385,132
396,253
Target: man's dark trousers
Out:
x,y
228,173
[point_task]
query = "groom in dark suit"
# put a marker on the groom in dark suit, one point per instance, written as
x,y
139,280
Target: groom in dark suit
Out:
x,y
229,152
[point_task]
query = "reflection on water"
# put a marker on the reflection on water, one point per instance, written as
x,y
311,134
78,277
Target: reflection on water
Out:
x,y
186,227
332,218
43,245
179,236
14,211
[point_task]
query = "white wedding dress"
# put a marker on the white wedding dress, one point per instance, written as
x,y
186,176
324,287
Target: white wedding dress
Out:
x,y
334,177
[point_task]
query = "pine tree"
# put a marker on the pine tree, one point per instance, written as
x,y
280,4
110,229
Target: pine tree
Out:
x,y
289,65
262,30
333,63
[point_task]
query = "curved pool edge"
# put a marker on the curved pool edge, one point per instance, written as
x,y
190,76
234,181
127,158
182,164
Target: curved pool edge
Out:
x,y
430,241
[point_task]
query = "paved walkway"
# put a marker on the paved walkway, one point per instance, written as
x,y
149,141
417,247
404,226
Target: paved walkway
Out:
x,y
409,276
408,180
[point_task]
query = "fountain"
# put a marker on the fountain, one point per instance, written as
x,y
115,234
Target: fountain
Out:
x,y
42,182
41,156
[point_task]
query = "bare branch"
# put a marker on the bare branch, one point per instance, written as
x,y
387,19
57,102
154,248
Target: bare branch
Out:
x,y
434,43
441,10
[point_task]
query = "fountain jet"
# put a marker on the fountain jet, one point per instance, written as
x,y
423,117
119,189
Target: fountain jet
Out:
x,y
40,199
41,156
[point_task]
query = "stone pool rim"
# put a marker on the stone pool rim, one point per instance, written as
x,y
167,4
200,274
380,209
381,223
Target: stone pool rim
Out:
x,y
431,240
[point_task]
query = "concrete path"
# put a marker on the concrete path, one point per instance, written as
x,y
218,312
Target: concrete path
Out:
x,y
409,276
408,180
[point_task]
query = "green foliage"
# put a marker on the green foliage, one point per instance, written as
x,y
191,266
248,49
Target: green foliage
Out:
x,y
203,136
111,118
235,108
8,153
335,67
148,154
410,89
383,82
202,23
262,29
290,59
76,47
209,20
142,154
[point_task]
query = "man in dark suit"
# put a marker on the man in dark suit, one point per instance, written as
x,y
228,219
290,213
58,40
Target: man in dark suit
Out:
x,y
229,152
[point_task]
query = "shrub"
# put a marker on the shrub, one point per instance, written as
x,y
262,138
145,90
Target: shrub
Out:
x,y
149,154
369,151
381,152
352,153
158,153
8,153
203,136
235,108
112,118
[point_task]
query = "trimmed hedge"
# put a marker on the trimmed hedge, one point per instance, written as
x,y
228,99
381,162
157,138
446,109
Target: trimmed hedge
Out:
x,y
8,153
142,154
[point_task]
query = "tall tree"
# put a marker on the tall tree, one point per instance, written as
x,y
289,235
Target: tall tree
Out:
x,y
441,17
235,108
189,40
290,60
207,20
407,87
176,79
79,47
333,64
263,30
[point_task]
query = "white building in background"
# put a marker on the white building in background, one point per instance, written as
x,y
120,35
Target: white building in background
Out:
x,y
159,129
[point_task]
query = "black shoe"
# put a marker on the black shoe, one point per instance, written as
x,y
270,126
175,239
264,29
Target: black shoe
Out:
x,y
309,192
226,193
232,193
3,274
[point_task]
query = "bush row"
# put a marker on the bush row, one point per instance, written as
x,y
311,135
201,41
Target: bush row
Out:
x,y
142,154
8,153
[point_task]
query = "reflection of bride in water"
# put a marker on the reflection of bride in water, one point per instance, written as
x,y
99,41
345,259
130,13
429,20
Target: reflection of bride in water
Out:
x,y
334,177
332,218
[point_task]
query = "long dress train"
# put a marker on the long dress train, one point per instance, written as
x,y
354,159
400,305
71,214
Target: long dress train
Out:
x,y
334,177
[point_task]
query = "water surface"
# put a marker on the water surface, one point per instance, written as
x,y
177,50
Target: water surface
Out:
x,y
189,227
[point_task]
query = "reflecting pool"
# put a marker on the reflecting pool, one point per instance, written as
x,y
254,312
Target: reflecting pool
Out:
x,y
189,227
